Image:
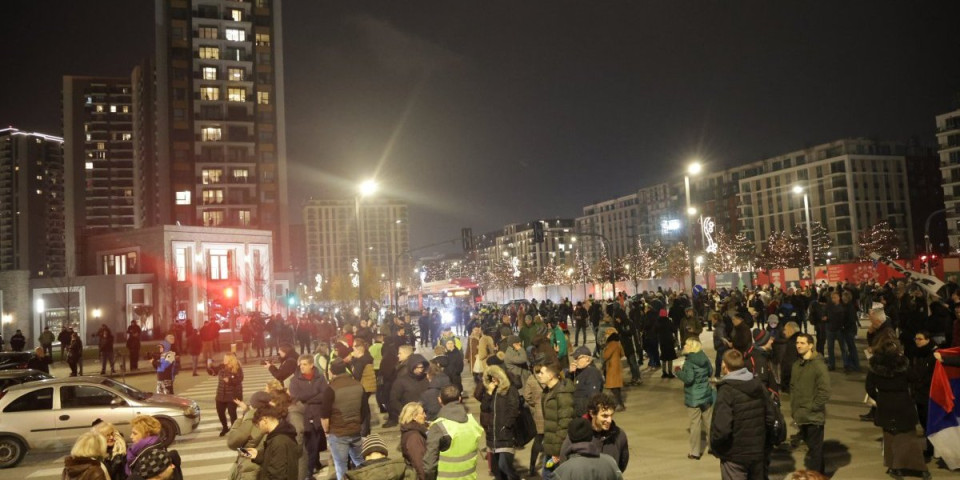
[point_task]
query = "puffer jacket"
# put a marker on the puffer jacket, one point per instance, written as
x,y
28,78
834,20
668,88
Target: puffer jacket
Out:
x,y
809,391
557,413
501,408
740,416
695,375
408,386
84,468
888,384
430,398
244,434
612,442
588,382
229,384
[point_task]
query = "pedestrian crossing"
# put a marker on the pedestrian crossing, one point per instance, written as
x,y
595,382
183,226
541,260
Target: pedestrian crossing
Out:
x,y
203,453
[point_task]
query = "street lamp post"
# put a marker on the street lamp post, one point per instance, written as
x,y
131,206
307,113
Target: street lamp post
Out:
x,y
693,169
806,210
367,188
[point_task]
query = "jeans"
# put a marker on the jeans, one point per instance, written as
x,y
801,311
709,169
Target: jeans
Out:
x,y
576,334
104,358
503,467
831,337
343,449
852,359
812,435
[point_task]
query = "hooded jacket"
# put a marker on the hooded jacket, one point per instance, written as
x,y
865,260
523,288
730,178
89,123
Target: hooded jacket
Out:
x,y
586,462
889,385
280,456
499,410
558,411
740,417
408,386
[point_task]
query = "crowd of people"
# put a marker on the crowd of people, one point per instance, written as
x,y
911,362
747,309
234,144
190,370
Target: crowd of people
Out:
x,y
536,389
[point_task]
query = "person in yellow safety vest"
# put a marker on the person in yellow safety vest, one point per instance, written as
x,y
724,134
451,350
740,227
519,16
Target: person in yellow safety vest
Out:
x,y
447,335
453,440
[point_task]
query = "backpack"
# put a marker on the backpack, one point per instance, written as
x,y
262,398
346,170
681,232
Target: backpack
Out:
x,y
776,431
526,428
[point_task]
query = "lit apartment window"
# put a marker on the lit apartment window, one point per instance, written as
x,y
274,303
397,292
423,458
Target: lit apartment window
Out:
x,y
236,35
210,52
210,134
126,137
89,137
212,218
236,15
241,175
212,196
113,109
263,39
263,98
126,109
244,217
99,108
237,94
209,93
236,74
209,73
219,260
183,198
180,259
89,165
101,146
211,176
207,33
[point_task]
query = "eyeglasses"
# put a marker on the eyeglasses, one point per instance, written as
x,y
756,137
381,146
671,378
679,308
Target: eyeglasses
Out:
x,y
917,339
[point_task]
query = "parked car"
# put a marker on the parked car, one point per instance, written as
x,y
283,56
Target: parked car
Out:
x,y
15,360
16,377
49,414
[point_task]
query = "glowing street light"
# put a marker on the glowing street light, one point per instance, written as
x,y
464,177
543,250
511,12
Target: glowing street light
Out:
x,y
365,189
797,189
368,187
694,168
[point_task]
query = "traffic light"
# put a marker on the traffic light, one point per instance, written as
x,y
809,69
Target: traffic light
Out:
x,y
466,237
538,232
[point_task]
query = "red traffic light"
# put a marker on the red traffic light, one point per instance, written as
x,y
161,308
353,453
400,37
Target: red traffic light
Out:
x,y
228,292
923,258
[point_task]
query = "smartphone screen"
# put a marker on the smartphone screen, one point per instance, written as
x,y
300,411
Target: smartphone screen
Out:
x,y
243,452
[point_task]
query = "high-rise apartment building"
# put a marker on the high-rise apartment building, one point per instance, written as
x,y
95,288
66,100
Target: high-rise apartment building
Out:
x,y
948,139
852,185
152,207
651,213
33,230
101,187
220,145
333,242
517,241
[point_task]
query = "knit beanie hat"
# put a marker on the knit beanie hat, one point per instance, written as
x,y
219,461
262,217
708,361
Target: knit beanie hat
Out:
x,y
373,443
760,336
260,400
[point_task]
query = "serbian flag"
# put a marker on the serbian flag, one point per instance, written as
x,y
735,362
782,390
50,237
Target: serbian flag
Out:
x,y
943,420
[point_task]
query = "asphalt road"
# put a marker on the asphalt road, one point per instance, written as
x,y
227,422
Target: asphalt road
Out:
x,y
655,422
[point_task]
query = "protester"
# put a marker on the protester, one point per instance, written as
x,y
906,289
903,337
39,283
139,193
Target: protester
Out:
x,y
430,398
612,368
166,365
411,381
738,429
229,389
308,387
105,346
18,341
133,345
195,349
585,461
500,407
698,394
377,465
278,456
413,436
86,459
455,361
459,432
810,391
41,361
75,355
888,384
360,363
243,434
340,414
558,411
147,458
667,340
45,340
607,436
115,458
288,363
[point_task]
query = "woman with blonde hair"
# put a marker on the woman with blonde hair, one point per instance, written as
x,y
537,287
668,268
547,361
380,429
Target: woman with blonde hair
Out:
x,y
229,389
146,456
85,460
413,436
116,455
698,394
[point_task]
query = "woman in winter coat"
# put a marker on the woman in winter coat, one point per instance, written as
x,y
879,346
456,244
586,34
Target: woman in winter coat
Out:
x,y
84,462
288,363
888,384
613,368
698,394
115,458
667,338
413,436
500,407
430,398
229,389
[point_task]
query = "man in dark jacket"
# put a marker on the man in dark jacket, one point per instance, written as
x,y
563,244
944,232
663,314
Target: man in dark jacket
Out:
x,y
607,436
278,458
307,386
836,319
388,365
557,402
105,344
587,378
133,344
740,417
790,331
340,414
409,384
810,391
585,459
757,358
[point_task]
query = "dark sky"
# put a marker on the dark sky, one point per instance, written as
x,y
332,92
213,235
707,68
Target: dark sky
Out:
x,y
487,113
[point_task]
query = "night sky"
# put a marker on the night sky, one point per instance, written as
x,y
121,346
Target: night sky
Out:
x,y
486,113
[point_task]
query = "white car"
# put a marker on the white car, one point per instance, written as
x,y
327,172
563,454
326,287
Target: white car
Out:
x,y
50,414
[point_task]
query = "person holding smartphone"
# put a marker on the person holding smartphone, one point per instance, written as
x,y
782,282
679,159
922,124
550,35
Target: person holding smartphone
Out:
x,y
278,460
